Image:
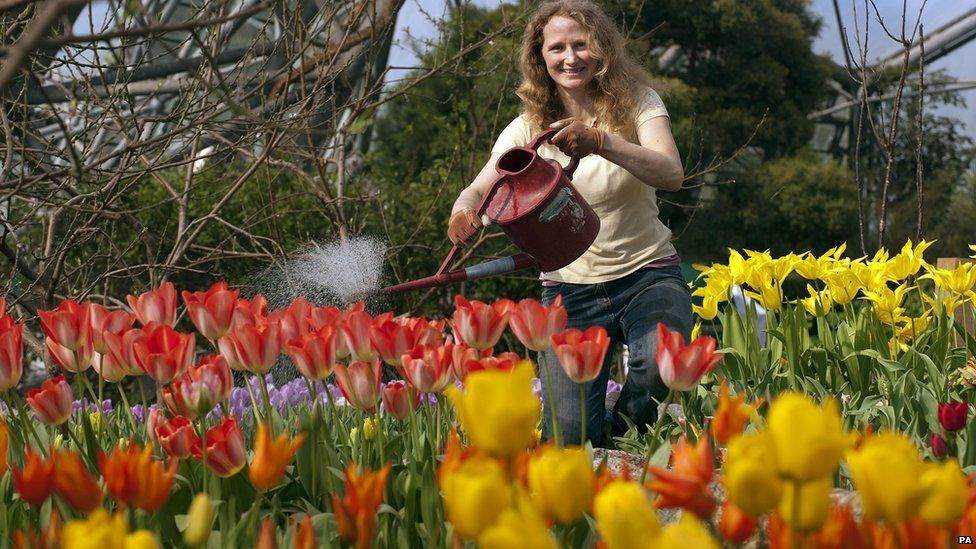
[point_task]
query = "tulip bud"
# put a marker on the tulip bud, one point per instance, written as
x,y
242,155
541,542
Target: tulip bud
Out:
x,y
398,399
938,445
369,428
199,521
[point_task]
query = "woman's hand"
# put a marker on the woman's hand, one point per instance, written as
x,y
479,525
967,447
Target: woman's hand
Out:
x,y
463,225
576,138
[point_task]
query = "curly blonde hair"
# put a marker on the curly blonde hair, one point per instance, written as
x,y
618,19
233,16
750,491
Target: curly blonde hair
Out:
x,y
619,82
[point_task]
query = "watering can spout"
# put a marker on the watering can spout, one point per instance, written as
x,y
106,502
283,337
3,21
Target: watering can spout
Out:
x,y
495,267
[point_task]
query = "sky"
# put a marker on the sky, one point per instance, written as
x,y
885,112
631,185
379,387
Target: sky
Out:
x,y
415,23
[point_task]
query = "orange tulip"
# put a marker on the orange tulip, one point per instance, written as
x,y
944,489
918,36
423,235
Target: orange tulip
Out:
x,y
271,457
51,402
356,512
732,414
176,436
314,353
211,311
686,484
581,354
225,449
355,330
35,481
256,346
304,534
157,305
736,526
107,321
534,324
428,368
841,531
478,324
48,538
11,351
74,483
360,383
399,399
267,536
135,478
682,366
162,352
293,319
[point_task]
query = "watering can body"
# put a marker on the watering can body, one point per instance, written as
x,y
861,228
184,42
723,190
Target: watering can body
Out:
x,y
536,205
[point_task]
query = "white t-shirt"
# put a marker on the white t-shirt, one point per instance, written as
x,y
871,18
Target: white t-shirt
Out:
x,y
631,235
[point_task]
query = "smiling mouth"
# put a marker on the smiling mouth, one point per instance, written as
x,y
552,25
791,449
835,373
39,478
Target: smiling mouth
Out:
x,y
573,71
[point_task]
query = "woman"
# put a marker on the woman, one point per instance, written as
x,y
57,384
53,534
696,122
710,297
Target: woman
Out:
x,y
578,77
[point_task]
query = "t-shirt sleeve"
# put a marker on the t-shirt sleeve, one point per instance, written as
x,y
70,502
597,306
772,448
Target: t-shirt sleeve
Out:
x,y
650,107
516,134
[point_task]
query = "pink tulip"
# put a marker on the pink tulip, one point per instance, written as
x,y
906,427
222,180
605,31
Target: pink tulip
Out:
x,y
479,325
157,305
107,321
51,402
682,366
360,383
257,346
534,324
314,354
176,437
355,329
399,399
108,369
69,325
205,384
581,354
211,311
162,352
11,350
154,418
428,369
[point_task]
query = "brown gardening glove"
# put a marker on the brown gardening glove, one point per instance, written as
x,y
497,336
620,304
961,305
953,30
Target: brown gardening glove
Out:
x,y
463,225
576,138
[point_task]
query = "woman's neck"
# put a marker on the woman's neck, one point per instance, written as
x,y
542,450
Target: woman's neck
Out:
x,y
578,105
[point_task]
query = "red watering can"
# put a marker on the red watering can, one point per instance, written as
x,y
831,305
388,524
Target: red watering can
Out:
x,y
535,204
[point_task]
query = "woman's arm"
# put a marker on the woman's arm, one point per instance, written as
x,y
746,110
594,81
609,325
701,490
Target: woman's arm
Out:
x,y
464,222
655,161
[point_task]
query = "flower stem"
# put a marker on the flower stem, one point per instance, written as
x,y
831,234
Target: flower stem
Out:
x,y
544,366
652,443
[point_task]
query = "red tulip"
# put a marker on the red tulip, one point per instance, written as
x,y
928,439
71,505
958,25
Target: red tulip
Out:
x,y
246,310
314,354
428,369
736,526
121,352
226,454
257,346
534,324
162,352
157,305
938,445
173,399
69,325
176,437
204,385
11,350
211,311
399,399
390,338
51,401
480,325
35,481
74,482
581,354
355,328
107,321
953,415
319,317
360,383
503,361
682,366
293,319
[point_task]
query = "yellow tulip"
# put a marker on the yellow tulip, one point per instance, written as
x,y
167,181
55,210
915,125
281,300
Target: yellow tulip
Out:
x,y
103,531
947,489
519,527
806,509
475,494
562,482
498,410
686,533
887,302
809,440
908,261
624,516
886,471
739,270
842,284
199,521
750,475
769,294
819,303
958,281
369,428
707,310
140,539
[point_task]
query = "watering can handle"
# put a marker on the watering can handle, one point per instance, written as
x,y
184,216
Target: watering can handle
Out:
x,y
546,136
446,264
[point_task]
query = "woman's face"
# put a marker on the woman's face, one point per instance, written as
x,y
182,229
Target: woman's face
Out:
x,y
566,53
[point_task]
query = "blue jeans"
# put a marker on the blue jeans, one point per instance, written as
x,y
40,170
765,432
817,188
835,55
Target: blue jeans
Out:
x,y
630,309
